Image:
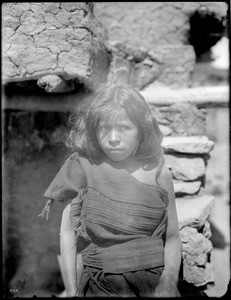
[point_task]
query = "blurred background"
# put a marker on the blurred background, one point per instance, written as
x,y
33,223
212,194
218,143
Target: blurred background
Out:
x,y
56,54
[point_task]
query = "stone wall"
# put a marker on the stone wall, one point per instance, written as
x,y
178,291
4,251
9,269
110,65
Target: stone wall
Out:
x,y
186,154
171,66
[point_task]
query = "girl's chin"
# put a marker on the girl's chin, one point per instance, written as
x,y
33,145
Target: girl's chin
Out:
x,y
116,156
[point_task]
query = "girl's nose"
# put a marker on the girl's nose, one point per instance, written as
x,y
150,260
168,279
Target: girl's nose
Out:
x,y
114,138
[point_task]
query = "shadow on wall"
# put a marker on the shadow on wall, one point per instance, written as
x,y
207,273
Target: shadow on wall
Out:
x,y
217,239
206,29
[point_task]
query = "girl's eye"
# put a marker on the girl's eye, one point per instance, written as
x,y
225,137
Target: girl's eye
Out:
x,y
125,127
104,127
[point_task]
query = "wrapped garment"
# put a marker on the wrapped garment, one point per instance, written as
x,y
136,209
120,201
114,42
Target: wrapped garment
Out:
x,y
123,222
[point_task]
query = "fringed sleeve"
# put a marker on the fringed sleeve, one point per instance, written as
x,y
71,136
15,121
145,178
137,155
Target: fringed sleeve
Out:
x,y
76,216
67,183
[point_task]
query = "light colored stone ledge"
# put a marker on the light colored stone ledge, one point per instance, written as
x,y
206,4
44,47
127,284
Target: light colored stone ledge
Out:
x,y
187,144
210,96
189,188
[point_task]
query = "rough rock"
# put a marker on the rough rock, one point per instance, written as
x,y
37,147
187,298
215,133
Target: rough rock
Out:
x,y
185,168
165,130
119,71
196,250
55,84
181,187
62,39
145,73
189,144
176,64
161,66
184,119
207,230
199,276
194,211
158,65
136,54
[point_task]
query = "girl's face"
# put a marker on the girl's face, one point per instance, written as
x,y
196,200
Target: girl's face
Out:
x,y
118,137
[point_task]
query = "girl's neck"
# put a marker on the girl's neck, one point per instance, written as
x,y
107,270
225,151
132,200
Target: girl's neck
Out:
x,y
130,164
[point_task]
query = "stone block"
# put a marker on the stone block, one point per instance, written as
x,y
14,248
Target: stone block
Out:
x,y
207,230
196,250
187,144
199,276
165,130
184,119
185,168
119,71
161,66
194,211
143,74
136,54
176,65
182,187
50,39
157,65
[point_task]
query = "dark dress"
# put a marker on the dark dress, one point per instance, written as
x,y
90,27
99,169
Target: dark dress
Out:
x,y
122,222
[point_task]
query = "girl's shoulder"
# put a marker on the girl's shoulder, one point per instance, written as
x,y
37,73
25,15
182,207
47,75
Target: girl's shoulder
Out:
x,y
165,179
165,173
87,164
75,157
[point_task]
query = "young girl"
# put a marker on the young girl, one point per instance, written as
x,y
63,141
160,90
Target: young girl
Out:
x,y
123,215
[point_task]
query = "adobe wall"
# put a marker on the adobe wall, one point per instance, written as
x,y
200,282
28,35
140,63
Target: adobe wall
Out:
x,y
150,24
150,41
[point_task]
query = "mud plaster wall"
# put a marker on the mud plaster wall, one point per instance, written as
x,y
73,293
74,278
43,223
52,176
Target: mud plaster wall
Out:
x,y
148,24
58,38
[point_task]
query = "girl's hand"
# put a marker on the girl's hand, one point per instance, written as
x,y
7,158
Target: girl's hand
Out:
x,y
166,289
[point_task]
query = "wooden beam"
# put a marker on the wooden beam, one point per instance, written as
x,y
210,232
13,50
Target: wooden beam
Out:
x,y
58,102
201,96
208,96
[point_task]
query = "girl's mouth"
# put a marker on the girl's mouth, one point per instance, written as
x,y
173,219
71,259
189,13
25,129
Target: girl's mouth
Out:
x,y
115,150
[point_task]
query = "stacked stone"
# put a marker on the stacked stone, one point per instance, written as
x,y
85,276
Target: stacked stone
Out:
x,y
186,154
141,67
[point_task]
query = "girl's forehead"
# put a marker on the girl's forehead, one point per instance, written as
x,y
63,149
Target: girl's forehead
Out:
x,y
113,116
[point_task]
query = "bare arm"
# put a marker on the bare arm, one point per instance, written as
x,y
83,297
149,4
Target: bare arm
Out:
x,y
68,250
167,286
